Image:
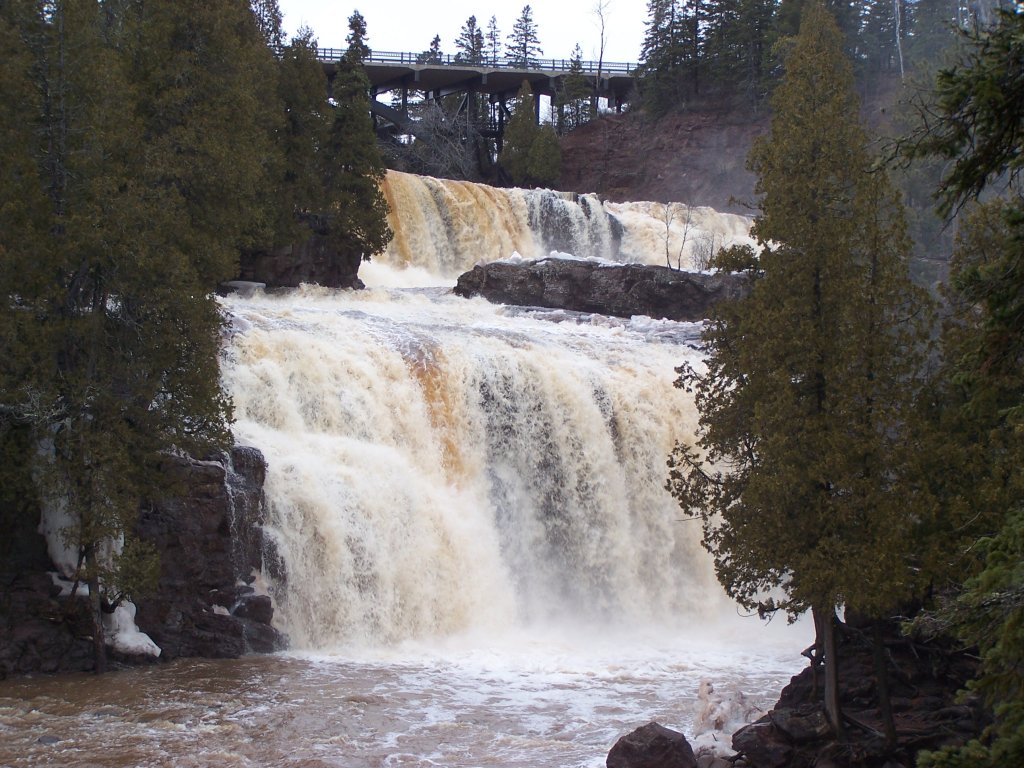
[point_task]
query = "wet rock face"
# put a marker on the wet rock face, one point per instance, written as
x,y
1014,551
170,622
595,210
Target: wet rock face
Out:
x,y
209,540
652,746
38,631
621,290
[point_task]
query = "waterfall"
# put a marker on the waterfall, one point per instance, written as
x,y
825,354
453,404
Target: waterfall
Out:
x,y
439,466
446,226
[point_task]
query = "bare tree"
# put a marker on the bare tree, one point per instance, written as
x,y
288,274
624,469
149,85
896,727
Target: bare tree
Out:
x,y
703,250
669,213
601,8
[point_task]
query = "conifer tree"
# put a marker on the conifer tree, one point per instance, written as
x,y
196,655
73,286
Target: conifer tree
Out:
x,y
523,46
519,135
803,481
302,140
975,126
110,358
493,41
268,19
530,154
574,96
358,51
433,54
470,43
354,169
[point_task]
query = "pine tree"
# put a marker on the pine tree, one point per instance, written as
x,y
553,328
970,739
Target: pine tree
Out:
x,y
573,98
975,127
433,54
302,141
523,47
663,56
803,483
358,51
268,19
470,43
493,41
110,358
528,155
354,169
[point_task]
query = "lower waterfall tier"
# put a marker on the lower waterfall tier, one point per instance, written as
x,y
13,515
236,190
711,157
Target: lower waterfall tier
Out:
x,y
439,465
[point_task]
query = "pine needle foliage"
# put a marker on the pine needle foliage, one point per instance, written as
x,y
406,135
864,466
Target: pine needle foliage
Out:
x,y
803,473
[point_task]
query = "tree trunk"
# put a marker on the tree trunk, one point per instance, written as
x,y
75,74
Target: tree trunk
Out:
x,y
882,685
99,646
825,620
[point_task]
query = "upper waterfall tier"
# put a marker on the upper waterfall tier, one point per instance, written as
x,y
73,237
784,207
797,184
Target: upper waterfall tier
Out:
x,y
445,227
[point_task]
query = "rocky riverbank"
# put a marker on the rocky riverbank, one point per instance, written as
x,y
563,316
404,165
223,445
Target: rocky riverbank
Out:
x,y
208,602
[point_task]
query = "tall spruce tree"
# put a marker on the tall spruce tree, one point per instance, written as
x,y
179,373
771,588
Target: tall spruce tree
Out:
x,y
493,41
523,46
531,155
357,220
302,140
802,479
573,98
470,43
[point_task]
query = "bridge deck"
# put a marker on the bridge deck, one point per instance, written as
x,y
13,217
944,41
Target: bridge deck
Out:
x,y
503,77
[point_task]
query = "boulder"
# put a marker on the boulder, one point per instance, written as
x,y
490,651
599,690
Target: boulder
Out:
x,y
652,746
622,290
762,745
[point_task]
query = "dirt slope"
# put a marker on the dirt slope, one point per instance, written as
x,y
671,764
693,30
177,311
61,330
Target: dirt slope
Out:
x,y
697,157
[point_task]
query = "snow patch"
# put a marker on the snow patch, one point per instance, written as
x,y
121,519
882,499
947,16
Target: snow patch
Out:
x,y
124,636
53,522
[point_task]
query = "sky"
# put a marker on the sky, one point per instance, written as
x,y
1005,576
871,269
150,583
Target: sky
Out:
x,y
410,25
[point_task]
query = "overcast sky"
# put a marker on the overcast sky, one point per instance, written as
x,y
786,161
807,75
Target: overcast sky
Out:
x,y
410,25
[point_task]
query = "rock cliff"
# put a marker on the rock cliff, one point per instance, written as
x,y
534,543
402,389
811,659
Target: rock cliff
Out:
x,y
210,544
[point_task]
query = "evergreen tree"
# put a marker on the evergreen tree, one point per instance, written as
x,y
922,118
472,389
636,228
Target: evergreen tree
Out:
x,y
470,43
268,19
303,138
530,154
975,125
804,485
358,51
737,43
110,352
358,215
493,41
664,56
544,159
573,98
523,47
433,54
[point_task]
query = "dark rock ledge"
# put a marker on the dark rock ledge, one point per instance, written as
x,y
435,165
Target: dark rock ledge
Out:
x,y
211,546
621,290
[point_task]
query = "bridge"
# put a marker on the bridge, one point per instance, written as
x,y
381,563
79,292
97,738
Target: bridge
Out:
x,y
499,78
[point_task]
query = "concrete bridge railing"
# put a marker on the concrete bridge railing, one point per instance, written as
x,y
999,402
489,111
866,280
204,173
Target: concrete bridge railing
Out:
x,y
607,68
